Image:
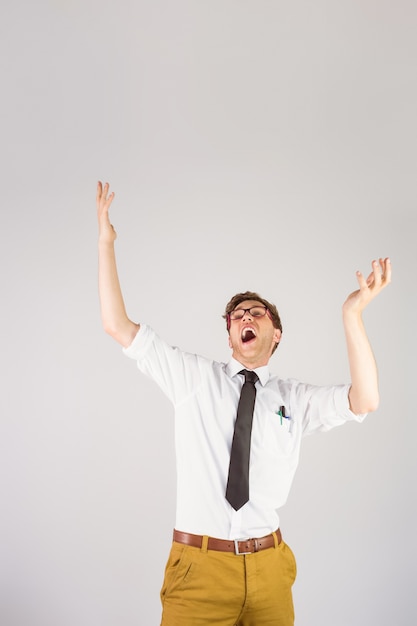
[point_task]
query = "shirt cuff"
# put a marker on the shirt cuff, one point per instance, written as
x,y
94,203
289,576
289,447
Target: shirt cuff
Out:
x,y
342,401
140,343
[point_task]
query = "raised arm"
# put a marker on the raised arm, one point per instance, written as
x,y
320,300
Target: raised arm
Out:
x,y
113,312
364,392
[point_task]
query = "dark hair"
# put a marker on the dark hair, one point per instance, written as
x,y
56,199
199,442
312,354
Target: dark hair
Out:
x,y
251,295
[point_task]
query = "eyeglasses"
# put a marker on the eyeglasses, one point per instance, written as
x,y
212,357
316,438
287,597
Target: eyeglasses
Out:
x,y
254,311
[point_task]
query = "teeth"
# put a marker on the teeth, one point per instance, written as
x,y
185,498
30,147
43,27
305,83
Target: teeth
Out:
x,y
247,331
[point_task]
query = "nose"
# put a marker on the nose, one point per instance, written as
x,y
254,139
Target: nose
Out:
x,y
247,314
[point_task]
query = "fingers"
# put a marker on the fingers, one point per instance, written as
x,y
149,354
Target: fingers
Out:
x,y
377,273
386,270
103,202
379,277
382,272
361,280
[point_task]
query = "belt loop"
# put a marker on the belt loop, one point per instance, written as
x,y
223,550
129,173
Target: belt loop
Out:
x,y
204,543
274,534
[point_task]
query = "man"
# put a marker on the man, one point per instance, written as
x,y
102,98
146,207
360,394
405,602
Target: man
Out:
x,y
238,435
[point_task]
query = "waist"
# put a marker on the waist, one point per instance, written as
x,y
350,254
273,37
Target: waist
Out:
x,y
237,546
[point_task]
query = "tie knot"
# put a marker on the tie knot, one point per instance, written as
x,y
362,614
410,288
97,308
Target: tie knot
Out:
x,y
250,377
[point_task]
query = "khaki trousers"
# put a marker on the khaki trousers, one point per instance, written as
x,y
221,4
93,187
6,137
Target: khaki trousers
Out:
x,y
206,587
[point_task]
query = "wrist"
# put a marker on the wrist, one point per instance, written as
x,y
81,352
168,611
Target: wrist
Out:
x,y
351,309
352,321
105,241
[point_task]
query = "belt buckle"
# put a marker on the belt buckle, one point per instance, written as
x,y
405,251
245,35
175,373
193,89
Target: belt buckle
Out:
x,y
236,542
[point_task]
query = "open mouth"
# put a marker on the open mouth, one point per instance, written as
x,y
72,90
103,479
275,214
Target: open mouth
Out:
x,y
248,334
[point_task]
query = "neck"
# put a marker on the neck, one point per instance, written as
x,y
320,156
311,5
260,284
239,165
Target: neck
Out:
x,y
251,364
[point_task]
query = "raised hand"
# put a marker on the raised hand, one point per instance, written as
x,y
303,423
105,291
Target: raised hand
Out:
x,y
107,234
113,313
370,287
364,391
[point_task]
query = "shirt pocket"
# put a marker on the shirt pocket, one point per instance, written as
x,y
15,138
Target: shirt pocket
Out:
x,y
279,435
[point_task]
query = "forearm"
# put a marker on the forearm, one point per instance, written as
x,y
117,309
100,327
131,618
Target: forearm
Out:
x,y
364,392
113,313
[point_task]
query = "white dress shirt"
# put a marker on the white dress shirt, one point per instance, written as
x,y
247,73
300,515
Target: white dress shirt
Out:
x,y
205,396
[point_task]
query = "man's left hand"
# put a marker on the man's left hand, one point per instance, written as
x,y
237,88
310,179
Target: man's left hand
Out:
x,y
370,287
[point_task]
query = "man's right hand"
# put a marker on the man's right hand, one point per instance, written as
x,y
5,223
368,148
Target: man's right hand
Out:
x,y
107,234
113,313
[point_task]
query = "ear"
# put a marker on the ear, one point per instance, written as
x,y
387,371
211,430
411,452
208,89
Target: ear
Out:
x,y
277,335
230,343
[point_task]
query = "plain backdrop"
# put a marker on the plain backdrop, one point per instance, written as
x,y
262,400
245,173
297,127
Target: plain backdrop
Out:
x,y
262,145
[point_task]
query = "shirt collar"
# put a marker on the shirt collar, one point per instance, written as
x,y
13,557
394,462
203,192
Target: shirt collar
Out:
x,y
234,367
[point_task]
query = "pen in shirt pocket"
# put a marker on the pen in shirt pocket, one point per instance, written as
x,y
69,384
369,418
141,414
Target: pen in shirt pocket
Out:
x,y
283,416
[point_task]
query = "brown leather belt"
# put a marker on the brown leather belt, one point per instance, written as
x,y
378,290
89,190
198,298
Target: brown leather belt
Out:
x,y
238,546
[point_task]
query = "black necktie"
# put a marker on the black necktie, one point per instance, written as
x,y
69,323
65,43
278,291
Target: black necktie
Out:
x,y
237,491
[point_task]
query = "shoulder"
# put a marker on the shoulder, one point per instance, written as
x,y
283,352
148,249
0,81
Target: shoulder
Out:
x,y
148,344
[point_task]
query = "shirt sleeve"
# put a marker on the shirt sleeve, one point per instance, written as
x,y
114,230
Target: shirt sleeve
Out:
x,y
319,409
177,373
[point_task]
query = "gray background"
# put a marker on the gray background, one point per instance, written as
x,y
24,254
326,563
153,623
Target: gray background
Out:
x,y
261,145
